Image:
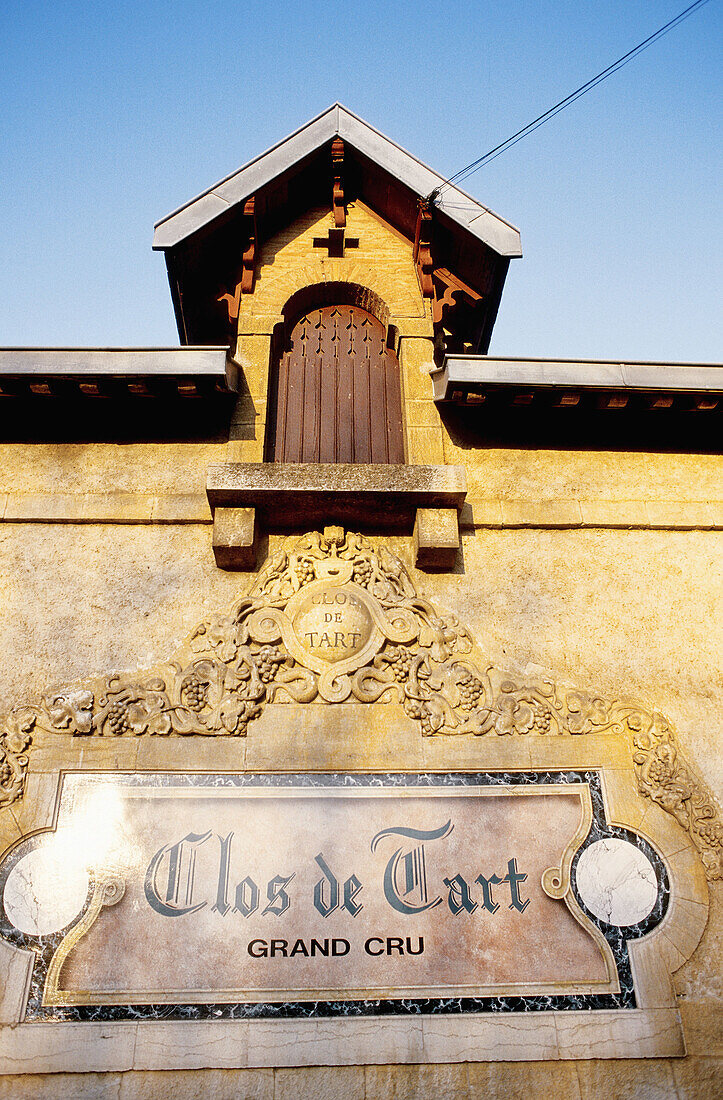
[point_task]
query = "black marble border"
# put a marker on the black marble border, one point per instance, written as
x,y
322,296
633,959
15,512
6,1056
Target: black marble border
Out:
x,y
618,938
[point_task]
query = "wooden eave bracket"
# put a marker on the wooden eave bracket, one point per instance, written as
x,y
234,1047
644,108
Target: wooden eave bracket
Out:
x,y
448,294
245,284
336,240
337,196
248,259
423,249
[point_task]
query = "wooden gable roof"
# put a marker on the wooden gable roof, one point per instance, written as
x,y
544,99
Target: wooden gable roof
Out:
x,y
204,240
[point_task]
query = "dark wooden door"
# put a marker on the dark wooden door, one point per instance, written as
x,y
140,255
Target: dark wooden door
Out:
x,y
336,392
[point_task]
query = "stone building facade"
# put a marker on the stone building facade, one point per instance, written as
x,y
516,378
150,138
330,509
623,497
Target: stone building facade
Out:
x,y
509,630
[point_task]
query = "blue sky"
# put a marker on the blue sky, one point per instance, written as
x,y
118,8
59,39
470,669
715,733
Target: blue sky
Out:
x,y
115,113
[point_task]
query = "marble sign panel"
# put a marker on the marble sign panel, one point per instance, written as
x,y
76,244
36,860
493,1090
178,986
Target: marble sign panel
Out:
x,y
327,890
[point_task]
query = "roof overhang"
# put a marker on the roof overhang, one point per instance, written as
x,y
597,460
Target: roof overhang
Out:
x,y
470,379
189,371
461,210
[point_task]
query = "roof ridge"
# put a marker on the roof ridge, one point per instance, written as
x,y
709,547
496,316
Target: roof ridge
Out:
x,y
468,213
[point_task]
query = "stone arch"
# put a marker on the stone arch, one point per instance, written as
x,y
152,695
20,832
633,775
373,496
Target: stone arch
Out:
x,y
335,293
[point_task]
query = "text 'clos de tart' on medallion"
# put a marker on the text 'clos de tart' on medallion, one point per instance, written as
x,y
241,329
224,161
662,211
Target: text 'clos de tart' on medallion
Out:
x,y
333,623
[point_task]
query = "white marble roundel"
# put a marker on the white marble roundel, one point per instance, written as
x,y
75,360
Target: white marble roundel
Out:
x,y
617,882
43,894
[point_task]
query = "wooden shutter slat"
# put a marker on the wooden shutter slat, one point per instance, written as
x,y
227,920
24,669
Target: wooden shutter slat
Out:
x,y
328,382
378,408
393,396
281,403
345,412
293,413
310,423
362,412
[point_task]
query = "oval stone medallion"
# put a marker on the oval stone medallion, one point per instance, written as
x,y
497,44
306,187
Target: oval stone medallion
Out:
x,y
333,624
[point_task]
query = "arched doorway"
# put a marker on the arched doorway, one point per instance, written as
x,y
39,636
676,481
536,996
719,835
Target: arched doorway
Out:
x,y
335,391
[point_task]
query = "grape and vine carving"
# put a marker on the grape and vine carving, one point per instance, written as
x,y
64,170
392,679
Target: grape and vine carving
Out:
x,y
234,665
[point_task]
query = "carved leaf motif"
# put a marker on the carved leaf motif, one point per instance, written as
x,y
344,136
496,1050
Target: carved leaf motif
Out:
x,y
13,761
70,710
586,713
218,635
481,721
19,727
231,710
441,716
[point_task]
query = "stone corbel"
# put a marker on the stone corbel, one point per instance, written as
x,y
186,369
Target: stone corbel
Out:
x,y
234,538
436,538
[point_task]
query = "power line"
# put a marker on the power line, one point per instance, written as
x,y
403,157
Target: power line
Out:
x,y
497,151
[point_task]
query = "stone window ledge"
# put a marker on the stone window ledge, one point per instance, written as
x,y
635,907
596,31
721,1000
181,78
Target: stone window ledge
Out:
x,y
380,498
384,497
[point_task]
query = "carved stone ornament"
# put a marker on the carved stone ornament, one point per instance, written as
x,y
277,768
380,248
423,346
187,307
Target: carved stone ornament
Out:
x,y
333,617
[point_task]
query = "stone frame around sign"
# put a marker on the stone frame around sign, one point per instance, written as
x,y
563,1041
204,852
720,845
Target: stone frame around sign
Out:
x,y
646,785
653,1029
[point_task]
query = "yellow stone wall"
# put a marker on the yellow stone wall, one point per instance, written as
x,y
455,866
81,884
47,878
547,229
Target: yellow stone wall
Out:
x,y
600,569
382,262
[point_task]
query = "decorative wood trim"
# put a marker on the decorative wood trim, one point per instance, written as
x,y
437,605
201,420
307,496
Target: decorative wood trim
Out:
x,y
245,284
423,249
336,240
337,200
448,290
248,273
